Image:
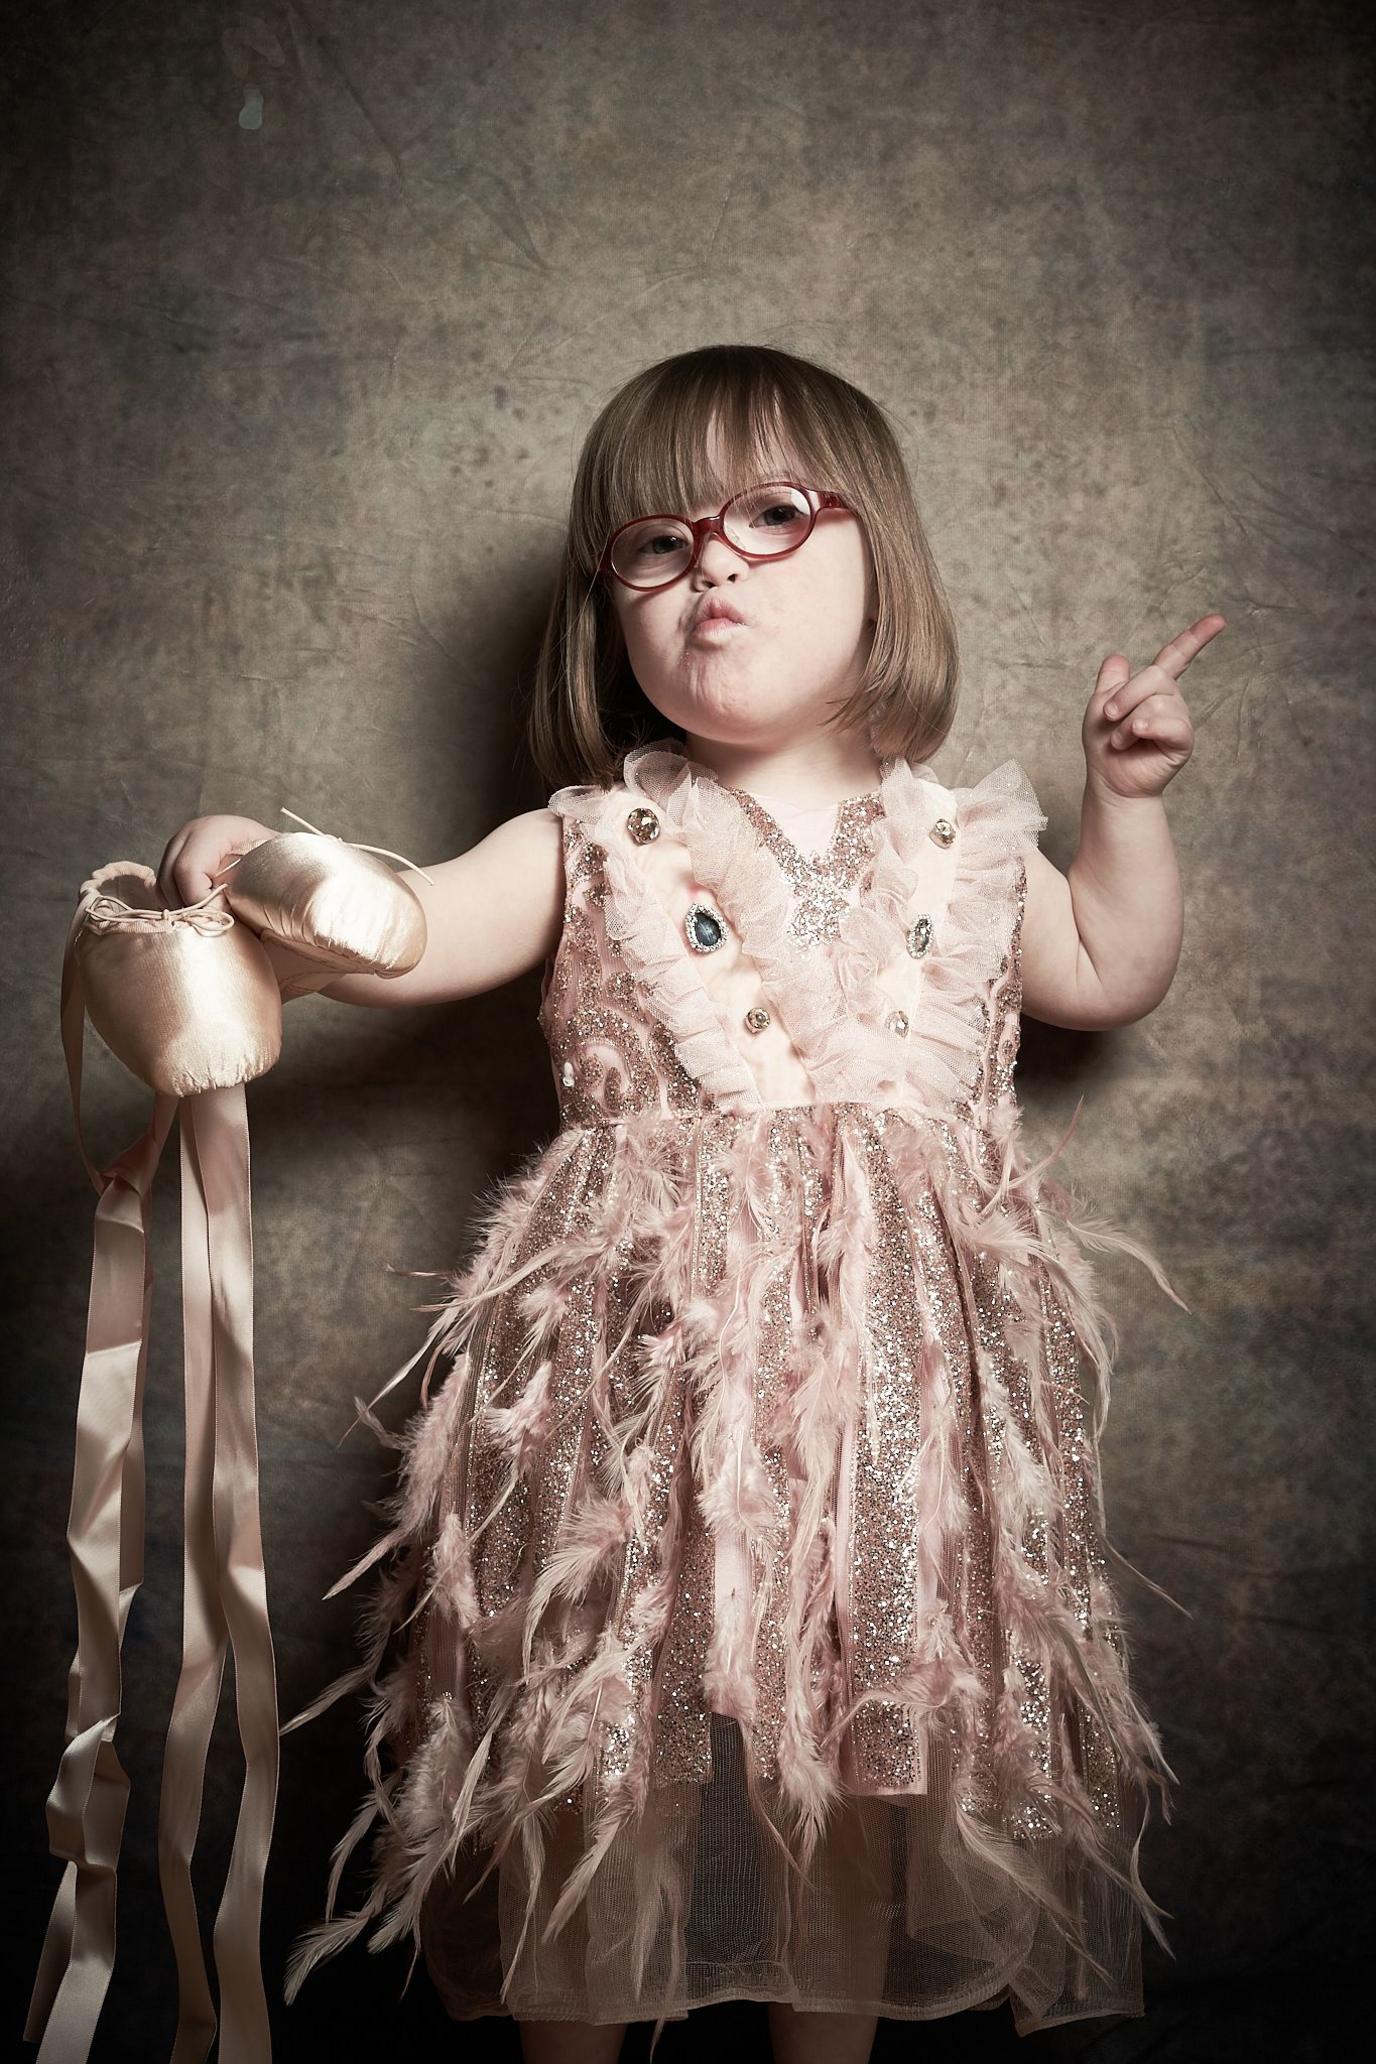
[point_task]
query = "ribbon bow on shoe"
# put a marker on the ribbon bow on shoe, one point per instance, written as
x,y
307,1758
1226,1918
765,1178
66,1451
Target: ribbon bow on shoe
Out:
x,y
190,1000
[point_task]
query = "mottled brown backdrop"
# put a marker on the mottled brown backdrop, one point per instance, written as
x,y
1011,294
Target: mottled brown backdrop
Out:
x,y
307,308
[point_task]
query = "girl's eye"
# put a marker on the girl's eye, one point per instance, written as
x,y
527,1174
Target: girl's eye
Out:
x,y
658,544
768,512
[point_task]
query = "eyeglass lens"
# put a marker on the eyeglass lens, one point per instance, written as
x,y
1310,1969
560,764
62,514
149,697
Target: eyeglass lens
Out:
x,y
763,520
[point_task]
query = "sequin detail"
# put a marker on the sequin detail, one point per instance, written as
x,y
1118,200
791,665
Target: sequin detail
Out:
x,y
822,881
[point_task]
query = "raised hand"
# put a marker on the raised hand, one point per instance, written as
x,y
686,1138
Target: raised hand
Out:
x,y
1137,733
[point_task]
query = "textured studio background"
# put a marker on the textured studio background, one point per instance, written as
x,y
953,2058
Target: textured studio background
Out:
x,y
307,308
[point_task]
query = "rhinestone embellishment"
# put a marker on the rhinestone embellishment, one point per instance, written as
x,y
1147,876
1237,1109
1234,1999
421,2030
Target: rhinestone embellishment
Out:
x,y
756,1018
918,936
704,929
943,831
566,1074
898,1022
643,825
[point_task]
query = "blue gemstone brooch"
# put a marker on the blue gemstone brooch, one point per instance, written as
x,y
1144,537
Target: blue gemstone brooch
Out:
x,y
704,928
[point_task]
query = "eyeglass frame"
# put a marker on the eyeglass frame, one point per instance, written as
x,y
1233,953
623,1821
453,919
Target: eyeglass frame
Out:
x,y
819,498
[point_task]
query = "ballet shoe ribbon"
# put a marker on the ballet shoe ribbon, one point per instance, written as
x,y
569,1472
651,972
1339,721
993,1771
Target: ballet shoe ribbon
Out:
x,y
225,1601
105,1530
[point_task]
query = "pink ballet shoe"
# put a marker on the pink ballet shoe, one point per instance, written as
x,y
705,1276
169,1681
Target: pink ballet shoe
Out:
x,y
328,901
186,999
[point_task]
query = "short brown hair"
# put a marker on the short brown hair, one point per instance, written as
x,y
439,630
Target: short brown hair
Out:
x,y
648,450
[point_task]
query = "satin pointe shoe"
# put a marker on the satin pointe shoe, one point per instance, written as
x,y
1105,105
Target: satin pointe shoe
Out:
x,y
331,903
186,999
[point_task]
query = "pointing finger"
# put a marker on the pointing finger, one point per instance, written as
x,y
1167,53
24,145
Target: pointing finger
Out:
x,y
1175,656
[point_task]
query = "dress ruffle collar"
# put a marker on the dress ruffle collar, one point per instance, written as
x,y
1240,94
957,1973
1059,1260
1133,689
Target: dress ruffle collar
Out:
x,y
827,995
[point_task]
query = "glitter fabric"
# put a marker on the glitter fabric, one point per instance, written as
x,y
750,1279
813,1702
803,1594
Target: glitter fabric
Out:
x,y
819,881
745,1626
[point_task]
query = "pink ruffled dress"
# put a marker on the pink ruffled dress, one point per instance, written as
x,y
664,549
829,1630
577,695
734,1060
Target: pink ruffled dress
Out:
x,y
746,1628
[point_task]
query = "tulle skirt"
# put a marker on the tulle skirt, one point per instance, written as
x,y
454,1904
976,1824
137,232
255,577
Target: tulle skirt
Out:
x,y
745,1627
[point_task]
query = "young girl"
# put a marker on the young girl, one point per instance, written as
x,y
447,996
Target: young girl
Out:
x,y
746,1614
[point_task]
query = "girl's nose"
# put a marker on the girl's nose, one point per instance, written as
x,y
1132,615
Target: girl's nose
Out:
x,y
718,559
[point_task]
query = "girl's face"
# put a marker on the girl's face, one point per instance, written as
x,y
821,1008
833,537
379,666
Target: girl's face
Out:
x,y
800,647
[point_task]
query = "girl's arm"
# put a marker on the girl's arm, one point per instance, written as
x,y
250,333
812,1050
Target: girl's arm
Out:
x,y
490,915
1100,945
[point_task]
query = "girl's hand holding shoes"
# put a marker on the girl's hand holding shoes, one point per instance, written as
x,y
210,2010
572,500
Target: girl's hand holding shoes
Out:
x,y
193,862
1137,733
194,857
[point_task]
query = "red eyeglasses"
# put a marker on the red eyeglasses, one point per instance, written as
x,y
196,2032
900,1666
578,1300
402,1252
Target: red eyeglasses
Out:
x,y
765,522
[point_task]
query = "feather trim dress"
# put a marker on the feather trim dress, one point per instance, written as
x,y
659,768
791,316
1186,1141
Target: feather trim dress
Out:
x,y
745,1626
